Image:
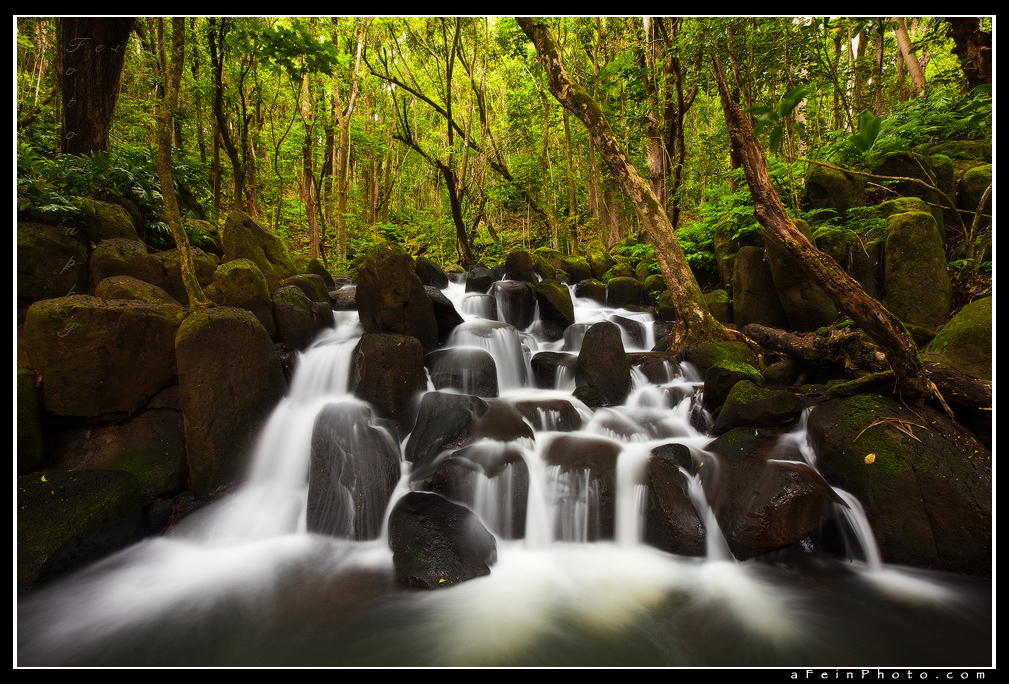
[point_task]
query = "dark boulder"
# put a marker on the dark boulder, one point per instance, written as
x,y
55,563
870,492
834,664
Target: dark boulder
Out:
x,y
436,543
467,370
671,520
387,371
245,238
602,373
391,298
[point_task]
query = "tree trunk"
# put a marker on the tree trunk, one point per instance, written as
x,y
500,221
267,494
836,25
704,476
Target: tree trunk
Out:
x,y
882,326
910,60
694,321
973,48
89,62
173,77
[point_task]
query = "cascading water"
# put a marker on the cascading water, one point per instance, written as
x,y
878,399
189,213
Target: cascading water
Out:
x,y
243,583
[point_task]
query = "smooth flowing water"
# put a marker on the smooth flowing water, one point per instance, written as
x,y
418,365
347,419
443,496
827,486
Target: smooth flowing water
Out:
x,y
242,583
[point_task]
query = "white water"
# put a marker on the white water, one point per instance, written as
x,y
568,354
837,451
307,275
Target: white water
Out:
x,y
236,581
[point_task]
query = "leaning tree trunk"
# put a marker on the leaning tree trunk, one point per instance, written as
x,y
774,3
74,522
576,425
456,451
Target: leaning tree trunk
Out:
x,y
694,322
882,326
89,63
172,80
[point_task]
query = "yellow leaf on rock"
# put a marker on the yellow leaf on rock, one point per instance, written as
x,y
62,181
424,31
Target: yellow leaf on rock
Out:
x,y
870,459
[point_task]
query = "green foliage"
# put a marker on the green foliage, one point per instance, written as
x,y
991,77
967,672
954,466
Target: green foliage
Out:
x,y
775,117
54,185
868,131
293,49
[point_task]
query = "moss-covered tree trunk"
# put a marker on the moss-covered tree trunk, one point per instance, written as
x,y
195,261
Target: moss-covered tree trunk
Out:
x,y
882,326
172,80
694,321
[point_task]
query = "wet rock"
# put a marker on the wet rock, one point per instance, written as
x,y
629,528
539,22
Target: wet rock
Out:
x,y
622,291
241,284
244,238
444,312
591,289
391,298
556,309
470,371
927,496
584,485
444,422
671,520
436,543
387,371
546,366
353,471
516,302
479,279
230,379
918,288
550,414
602,373
430,274
966,340
67,519
519,266
751,406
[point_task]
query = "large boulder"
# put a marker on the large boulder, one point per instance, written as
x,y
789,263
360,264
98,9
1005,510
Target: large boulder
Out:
x,y
760,503
516,302
463,369
101,356
754,297
751,406
966,341
671,520
557,311
67,519
353,471
918,288
437,543
935,170
105,220
972,186
602,372
584,487
807,307
230,379
150,446
205,265
51,262
444,422
832,188
387,371
925,485
128,287
519,266
120,256
391,298
430,274
240,283
293,313
244,238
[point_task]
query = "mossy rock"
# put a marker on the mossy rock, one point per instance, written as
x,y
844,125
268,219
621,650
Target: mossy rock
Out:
x,y
244,238
703,356
719,305
551,256
918,287
101,356
241,284
599,259
927,494
973,183
831,188
652,287
966,340
205,235
807,307
51,262
519,266
557,311
104,221
67,519
754,297
126,287
623,291
117,257
836,242
204,264
936,170
619,270
577,268
751,406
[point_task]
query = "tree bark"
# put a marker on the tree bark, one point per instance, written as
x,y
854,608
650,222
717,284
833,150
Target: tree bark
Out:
x,y
89,63
694,321
173,77
973,48
910,60
882,326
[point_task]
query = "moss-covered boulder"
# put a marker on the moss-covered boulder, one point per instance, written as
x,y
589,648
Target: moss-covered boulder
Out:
x,y
29,426
230,379
807,307
101,356
150,446
719,305
105,220
127,287
51,262
651,287
754,297
936,170
622,292
391,298
557,311
599,259
241,284
307,264
204,264
966,340
924,484
918,288
619,270
205,235
117,257
519,266
69,518
832,188
971,189
292,311
750,406
703,356
591,289
244,238
866,266
430,274
577,268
